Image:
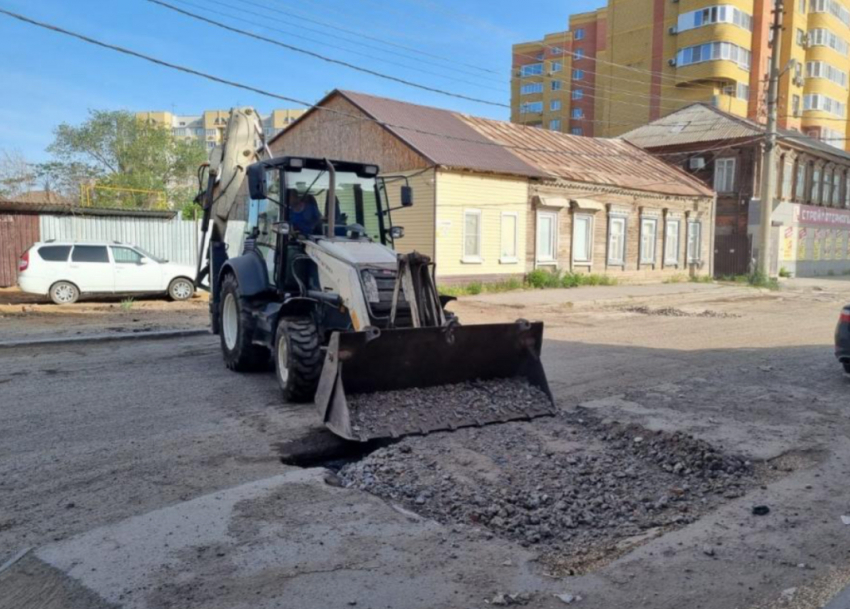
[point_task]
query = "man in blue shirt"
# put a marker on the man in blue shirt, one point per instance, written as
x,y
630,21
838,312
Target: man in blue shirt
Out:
x,y
304,214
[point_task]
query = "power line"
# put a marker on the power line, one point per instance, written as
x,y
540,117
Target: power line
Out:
x,y
325,58
330,45
262,92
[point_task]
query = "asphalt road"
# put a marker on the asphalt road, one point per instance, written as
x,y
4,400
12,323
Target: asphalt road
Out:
x,y
93,435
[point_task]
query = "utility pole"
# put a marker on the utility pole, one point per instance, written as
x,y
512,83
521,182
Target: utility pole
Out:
x,y
768,162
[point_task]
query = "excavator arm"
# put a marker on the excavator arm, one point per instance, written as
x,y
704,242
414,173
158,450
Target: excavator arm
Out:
x,y
221,180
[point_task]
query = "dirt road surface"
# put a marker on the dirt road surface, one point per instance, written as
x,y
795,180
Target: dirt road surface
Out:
x,y
146,475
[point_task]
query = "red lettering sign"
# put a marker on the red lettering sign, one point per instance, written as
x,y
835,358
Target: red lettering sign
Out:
x,y
821,216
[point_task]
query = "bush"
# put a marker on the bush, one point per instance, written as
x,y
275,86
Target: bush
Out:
x,y
785,273
474,288
539,279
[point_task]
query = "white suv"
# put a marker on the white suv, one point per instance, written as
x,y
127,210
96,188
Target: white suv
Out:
x,y
65,270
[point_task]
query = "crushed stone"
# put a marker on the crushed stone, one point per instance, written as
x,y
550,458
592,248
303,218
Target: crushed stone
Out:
x,y
572,485
674,312
423,409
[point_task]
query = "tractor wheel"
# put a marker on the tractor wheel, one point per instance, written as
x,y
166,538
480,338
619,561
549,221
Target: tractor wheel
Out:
x,y
240,354
298,358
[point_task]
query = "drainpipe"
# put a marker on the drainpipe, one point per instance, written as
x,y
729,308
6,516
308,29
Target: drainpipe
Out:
x,y
331,201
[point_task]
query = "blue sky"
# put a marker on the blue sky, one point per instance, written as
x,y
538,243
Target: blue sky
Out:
x,y
47,78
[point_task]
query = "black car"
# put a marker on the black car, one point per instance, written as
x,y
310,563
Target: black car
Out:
x,y
842,339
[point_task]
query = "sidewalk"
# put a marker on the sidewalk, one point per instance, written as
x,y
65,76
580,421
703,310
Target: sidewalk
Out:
x,y
595,295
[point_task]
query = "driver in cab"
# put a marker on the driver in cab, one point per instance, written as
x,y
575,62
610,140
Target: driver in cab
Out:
x,y
304,214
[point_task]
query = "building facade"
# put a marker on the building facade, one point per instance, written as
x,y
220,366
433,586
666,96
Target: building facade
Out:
x,y
209,126
635,61
810,232
495,199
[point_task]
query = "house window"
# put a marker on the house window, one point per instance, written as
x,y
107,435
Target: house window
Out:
x,y
671,243
800,191
577,93
801,6
555,124
547,236
616,241
578,74
509,238
472,235
787,179
648,237
577,131
724,175
557,66
795,105
556,85
815,194
554,105
579,34
577,113
531,107
582,238
836,188
579,53
694,238
847,193
801,38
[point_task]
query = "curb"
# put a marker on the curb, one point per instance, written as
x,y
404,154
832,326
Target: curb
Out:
x,y
103,338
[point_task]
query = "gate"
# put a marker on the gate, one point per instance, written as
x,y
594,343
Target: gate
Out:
x,y
731,255
17,233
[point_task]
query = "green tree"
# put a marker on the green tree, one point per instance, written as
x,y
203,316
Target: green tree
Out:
x,y
116,150
17,176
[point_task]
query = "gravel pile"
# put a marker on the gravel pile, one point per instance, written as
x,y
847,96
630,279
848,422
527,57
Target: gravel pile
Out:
x,y
421,410
674,312
568,483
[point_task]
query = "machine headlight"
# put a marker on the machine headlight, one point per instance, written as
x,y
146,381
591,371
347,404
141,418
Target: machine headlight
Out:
x,y
371,287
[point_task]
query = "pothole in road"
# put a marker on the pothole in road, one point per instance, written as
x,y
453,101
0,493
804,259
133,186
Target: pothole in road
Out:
x,y
674,312
579,489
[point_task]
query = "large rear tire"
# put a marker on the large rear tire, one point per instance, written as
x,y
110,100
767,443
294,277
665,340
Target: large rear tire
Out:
x,y
240,354
298,358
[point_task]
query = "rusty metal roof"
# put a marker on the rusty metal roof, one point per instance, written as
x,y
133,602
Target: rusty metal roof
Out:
x,y
702,122
34,206
607,162
441,136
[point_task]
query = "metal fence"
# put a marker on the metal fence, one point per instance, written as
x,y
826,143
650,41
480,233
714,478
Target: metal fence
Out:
x,y
174,239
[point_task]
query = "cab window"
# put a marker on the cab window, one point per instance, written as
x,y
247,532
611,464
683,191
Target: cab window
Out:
x,y
54,253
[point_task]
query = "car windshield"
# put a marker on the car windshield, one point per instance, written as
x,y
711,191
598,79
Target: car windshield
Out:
x,y
149,255
357,201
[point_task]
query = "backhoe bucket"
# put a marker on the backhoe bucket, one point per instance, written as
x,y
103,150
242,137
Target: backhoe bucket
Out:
x,y
361,366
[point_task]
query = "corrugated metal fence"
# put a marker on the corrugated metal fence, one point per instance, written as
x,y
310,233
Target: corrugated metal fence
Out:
x,y
174,239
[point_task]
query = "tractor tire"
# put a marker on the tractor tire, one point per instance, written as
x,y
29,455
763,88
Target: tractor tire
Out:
x,y
240,354
298,358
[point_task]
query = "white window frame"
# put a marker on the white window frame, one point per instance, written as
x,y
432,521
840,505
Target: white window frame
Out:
x,y
540,260
515,258
617,258
554,105
672,226
727,183
694,229
648,257
577,113
472,258
579,34
589,260
555,124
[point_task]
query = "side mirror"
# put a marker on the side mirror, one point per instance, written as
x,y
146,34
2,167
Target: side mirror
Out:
x,y
406,196
257,186
397,232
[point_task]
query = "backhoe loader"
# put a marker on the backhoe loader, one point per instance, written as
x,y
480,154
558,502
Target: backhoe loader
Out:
x,y
320,292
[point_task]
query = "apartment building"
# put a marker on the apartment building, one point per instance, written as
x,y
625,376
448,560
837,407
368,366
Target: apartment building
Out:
x,y
635,61
209,126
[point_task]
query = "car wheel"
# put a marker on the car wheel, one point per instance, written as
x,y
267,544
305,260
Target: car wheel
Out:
x,y
237,331
64,292
298,358
181,289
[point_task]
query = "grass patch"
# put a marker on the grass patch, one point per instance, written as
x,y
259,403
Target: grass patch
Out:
x,y
677,278
701,279
784,273
536,280
127,304
754,279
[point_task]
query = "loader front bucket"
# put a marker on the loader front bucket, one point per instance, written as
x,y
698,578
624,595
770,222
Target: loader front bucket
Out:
x,y
385,375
